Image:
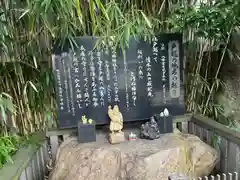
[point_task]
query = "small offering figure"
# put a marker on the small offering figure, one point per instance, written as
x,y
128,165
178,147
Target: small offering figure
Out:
x,y
84,119
132,136
116,125
150,130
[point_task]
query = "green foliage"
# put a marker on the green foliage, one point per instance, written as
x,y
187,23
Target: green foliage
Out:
x,y
6,105
211,21
8,146
207,31
28,30
67,19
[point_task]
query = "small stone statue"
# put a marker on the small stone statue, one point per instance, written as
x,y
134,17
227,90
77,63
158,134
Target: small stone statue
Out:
x,y
116,135
150,130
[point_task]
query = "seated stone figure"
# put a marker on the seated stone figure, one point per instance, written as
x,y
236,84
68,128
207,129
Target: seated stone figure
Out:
x,y
150,130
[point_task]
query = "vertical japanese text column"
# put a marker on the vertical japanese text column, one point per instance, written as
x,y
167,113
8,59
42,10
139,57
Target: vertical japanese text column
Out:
x,y
59,86
70,83
126,80
100,78
149,77
109,97
164,71
93,79
115,78
174,69
66,85
133,88
85,76
76,81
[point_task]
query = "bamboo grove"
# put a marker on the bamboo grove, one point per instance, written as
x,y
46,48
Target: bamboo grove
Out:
x,y
28,28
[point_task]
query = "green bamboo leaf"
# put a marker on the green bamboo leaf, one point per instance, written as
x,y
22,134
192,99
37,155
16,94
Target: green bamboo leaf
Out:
x,y
102,8
47,79
122,47
8,104
127,34
35,62
161,8
3,113
79,11
92,13
119,12
31,23
48,27
5,154
46,4
33,86
24,13
25,89
26,85
146,19
5,94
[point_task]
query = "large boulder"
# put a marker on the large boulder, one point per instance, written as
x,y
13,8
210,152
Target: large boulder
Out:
x,y
134,160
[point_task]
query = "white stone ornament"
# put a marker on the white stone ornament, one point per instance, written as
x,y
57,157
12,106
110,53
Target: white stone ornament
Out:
x,y
161,114
131,134
166,112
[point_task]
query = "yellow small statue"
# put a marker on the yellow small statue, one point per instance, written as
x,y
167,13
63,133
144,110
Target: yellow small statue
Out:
x,y
116,125
84,119
90,121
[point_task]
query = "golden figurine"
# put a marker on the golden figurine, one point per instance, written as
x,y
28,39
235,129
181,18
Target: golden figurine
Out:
x,y
116,125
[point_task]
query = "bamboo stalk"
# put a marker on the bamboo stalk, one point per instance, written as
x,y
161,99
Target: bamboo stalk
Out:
x,y
218,69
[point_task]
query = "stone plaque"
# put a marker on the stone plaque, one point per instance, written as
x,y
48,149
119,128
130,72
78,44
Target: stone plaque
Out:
x,y
143,81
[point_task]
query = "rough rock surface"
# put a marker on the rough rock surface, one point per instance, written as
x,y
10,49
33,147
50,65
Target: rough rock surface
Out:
x,y
134,160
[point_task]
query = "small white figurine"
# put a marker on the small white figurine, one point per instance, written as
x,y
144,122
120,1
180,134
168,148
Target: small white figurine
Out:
x,y
132,136
161,114
165,113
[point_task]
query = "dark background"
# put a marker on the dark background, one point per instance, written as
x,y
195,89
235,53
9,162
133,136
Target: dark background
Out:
x,y
145,107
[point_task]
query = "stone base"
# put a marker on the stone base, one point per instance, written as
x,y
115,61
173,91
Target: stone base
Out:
x,y
86,133
116,138
172,154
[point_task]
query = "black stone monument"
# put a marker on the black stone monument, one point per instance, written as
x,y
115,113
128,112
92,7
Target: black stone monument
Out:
x,y
143,81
